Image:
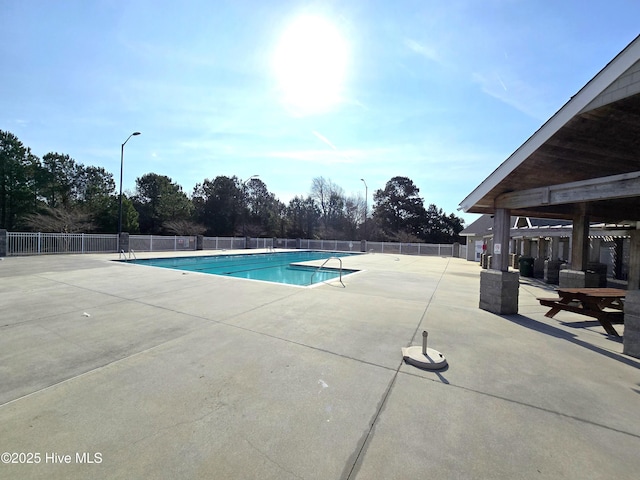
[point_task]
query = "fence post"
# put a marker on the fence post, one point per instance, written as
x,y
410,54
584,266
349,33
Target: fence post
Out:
x,y
39,242
151,243
4,237
123,242
175,243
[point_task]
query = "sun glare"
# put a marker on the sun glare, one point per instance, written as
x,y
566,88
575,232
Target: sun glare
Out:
x,y
310,64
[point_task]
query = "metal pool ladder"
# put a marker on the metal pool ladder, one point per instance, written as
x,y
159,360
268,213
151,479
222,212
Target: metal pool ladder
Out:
x,y
323,264
123,254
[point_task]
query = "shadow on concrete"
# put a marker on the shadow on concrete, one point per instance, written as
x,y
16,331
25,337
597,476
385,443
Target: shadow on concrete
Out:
x,y
534,282
590,324
546,329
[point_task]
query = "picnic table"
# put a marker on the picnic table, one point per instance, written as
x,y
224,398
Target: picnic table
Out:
x,y
604,304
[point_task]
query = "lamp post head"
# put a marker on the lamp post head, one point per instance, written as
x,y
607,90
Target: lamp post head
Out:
x,y
135,133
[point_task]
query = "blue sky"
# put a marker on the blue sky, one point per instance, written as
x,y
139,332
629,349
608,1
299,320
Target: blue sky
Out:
x,y
439,91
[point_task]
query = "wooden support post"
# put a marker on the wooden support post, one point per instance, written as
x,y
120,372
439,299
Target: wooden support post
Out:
x,y
618,257
634,261
542,243
580,240
594,250
501,236
555,248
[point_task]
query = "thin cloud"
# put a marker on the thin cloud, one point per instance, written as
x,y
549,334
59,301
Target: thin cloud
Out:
x,y
324,139
421,49
520,95
312,156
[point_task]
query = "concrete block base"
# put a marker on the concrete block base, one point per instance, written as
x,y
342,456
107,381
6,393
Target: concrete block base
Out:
x,y
631,340
552,271
600,270
578,279
538,267
499,291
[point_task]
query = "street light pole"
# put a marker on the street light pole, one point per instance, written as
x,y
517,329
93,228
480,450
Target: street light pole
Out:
x,y
366,195
121,168
244,210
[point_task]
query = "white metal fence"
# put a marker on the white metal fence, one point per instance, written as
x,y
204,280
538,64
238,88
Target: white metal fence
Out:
x,y
160,243
27,243
223,243
44,243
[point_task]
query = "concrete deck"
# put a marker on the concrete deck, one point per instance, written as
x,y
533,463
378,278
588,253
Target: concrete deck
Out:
x,y
154,373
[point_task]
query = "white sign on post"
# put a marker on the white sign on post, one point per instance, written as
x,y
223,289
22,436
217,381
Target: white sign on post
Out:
x,y
497,248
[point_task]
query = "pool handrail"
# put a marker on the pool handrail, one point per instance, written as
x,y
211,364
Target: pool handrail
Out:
x,y
323,264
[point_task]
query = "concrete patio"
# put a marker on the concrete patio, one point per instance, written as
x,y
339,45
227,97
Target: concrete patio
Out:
x,y
155,373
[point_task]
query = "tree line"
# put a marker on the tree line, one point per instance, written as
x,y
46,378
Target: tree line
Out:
x,y
56,193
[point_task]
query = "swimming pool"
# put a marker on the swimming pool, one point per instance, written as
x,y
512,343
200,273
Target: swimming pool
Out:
x,y
280,267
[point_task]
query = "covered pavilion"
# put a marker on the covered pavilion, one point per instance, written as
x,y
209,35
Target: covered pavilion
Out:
x,y
582,165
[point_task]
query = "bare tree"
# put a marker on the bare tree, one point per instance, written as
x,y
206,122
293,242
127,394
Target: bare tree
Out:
x,y
60,220
183,227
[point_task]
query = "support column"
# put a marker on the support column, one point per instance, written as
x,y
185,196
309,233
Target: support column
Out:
x,y
580,241
634,261
618,257
594,250
578,277
552,265
538,263
498,286
631,340
501,235
555,248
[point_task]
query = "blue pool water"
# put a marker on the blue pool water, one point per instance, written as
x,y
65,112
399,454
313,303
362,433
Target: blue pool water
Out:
x,y
270,267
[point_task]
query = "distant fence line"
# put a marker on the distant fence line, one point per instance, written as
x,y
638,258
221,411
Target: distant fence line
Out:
x,y
29,243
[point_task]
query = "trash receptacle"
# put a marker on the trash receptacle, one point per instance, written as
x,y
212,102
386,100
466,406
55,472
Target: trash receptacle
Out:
x,y
526,266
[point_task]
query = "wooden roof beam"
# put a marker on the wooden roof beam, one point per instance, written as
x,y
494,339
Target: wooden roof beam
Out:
x,y
604,188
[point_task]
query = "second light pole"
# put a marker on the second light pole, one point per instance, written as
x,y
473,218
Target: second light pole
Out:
x,y
366,195
121,168
244,209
